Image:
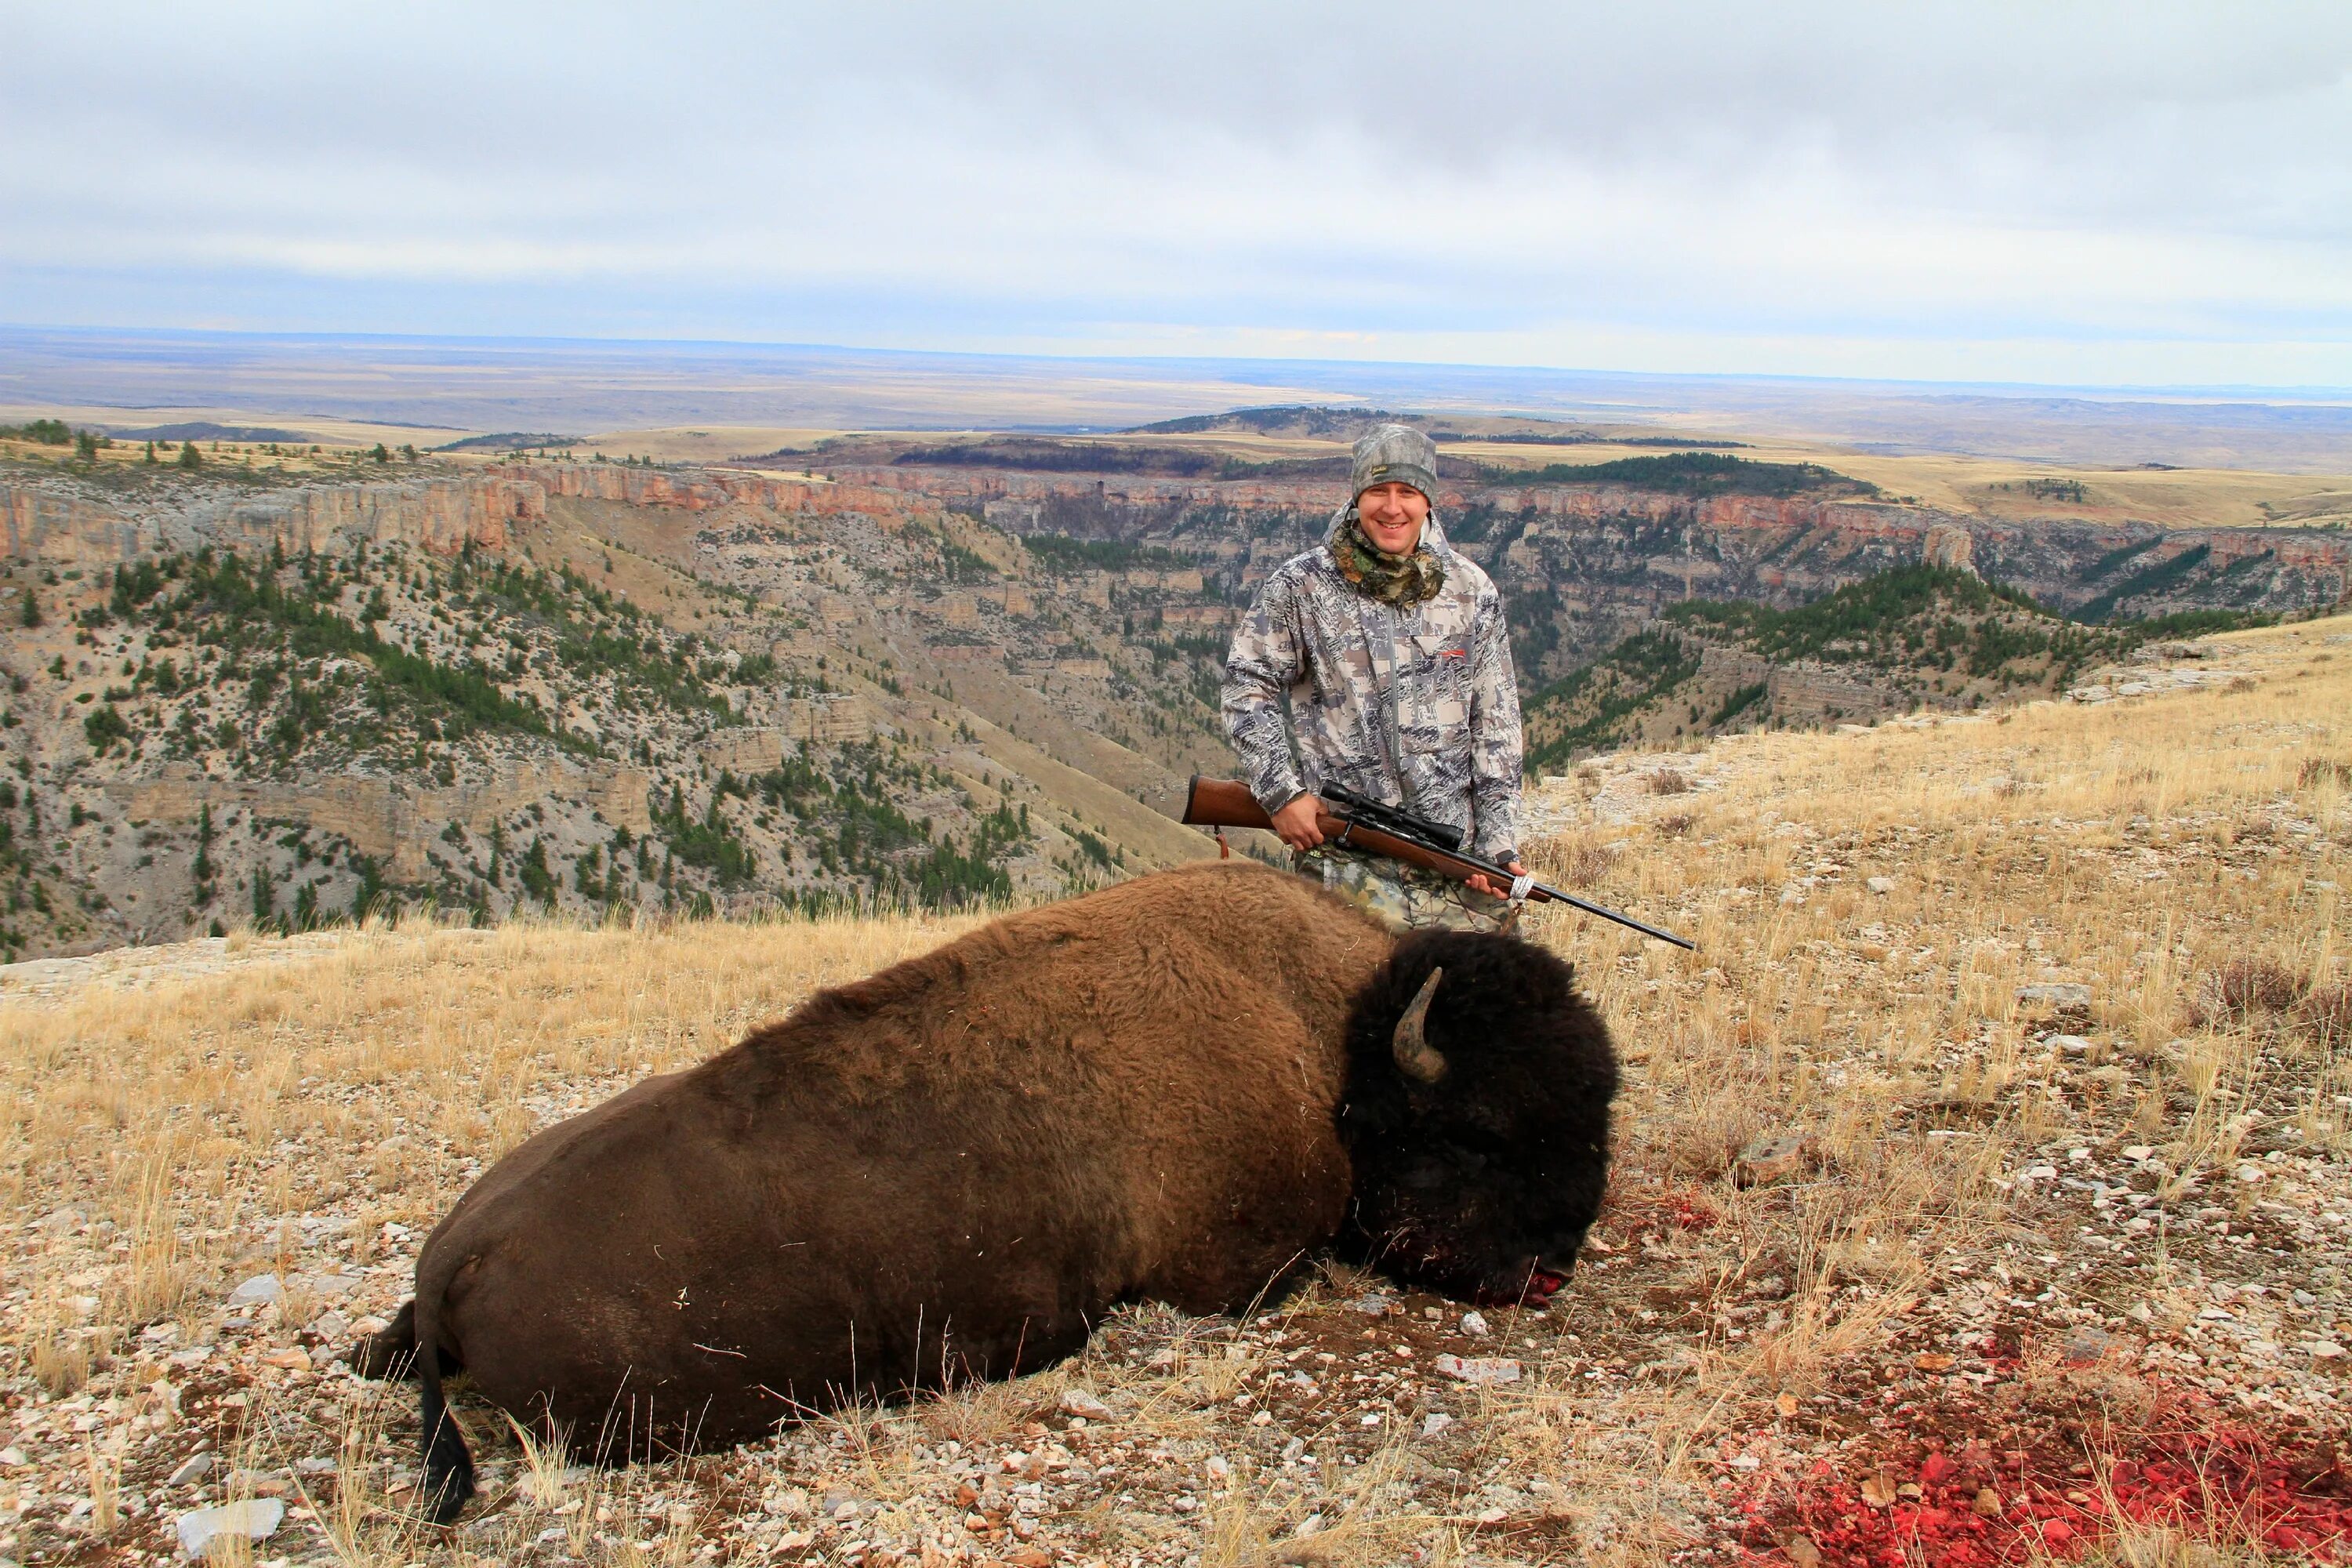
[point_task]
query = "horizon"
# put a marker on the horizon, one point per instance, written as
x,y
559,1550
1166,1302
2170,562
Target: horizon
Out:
x,y
2322,394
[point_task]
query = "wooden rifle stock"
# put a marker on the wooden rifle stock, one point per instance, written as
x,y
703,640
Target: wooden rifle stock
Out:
x,y
1226,803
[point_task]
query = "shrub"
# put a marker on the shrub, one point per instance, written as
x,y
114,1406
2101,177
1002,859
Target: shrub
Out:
x,y
104,726
2242,988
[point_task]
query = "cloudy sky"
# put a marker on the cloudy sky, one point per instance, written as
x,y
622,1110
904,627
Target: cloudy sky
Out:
x,y
2143,193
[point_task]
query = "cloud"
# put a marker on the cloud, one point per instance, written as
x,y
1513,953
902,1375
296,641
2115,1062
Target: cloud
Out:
x,y
1550,174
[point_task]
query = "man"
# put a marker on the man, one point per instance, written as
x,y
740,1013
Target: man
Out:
x,y
1378,661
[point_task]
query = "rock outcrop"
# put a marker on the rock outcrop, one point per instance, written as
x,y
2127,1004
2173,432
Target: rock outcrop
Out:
x,y
63,521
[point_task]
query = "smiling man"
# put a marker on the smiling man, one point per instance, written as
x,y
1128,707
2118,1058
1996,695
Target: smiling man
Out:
x,y
1378,661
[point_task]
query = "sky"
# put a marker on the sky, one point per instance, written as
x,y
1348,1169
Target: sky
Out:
x,y
2147,194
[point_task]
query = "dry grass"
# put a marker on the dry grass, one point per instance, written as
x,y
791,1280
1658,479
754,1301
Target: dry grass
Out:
x,y
2176,861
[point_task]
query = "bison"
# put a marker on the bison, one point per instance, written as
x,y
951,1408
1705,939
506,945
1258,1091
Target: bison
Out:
x,y
1177,1088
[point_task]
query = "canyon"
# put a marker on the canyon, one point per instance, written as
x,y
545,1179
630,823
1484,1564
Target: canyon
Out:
x,y
603,687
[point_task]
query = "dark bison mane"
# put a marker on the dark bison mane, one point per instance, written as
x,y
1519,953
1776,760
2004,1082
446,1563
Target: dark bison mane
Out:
x,y
1482,1184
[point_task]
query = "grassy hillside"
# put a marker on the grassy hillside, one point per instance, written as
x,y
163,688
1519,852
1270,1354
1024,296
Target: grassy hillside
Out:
x,y
1994,1144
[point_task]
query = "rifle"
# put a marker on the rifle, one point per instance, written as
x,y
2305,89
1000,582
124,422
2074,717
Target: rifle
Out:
x,y
1363,824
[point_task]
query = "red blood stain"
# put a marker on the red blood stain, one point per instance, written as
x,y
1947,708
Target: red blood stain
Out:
x,y
2232,1485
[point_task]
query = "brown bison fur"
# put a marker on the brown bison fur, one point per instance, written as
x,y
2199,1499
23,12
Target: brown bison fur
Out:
x,y
955,1167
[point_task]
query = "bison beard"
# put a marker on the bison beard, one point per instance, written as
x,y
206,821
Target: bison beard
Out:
x,y
1178,1088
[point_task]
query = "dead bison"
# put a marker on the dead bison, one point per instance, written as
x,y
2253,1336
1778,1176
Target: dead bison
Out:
x,y
1177,1088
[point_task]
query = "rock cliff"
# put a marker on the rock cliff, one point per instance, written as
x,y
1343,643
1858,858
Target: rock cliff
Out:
x,y
63,521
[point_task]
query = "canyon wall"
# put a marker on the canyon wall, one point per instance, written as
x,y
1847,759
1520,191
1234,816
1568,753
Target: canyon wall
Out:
x,y
1585,564
61,521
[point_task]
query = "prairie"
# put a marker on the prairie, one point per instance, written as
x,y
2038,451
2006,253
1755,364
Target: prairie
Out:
x,y
1981,1194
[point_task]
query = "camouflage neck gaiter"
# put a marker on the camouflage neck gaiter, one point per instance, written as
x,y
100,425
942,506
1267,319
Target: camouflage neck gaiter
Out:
x,y
1397,580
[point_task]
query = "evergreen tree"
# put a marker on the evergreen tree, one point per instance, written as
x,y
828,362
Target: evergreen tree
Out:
x,y
203,868
265,906
189,457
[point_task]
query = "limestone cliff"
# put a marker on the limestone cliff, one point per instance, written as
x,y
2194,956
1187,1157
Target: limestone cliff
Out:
x,y
64,521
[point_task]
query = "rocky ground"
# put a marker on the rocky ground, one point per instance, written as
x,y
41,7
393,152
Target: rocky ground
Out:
x,y
1981,1196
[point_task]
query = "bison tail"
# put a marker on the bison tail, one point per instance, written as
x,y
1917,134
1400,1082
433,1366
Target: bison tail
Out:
x,y
449,1479
391,1353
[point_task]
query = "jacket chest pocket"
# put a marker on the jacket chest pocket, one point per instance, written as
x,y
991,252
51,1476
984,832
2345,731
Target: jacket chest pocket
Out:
x,y
1436,715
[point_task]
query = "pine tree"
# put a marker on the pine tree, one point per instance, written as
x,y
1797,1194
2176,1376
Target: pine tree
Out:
x,y
203,868
189,457
265,906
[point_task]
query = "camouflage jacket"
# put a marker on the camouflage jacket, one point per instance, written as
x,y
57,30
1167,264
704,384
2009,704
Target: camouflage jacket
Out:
x,y
1416,707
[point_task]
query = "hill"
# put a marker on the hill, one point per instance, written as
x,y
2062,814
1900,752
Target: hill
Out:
x,y
1921,636
238,703
1992,1146
1703,474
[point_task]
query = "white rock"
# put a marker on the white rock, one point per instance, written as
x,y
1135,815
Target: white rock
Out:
x,y
2075,1044
2057,992
2249,1172
331,1325
194,1468
260,1288
12,1456
1433,1422
1479,1369
1078,1401
256,1518
2136,1151
1880,884
1474,1323
2321,1350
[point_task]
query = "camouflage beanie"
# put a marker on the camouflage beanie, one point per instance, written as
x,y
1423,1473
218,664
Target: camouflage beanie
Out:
x,y
1395,454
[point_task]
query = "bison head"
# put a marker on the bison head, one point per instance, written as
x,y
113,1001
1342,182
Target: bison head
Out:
x,y
1476,1117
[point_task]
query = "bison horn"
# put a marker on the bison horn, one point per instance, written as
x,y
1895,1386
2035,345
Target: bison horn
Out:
x,y
1413,1054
